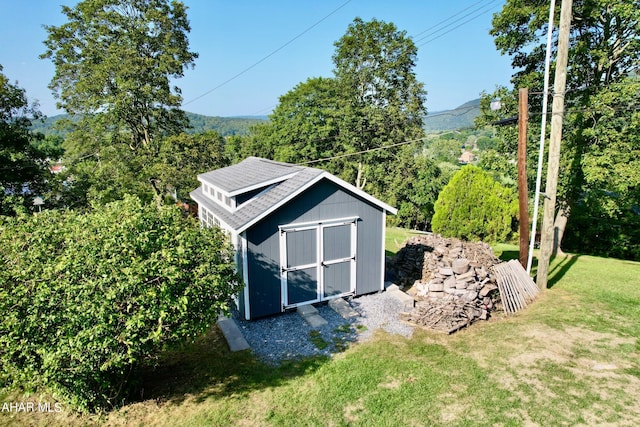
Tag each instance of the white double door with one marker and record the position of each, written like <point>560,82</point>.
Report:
<point>318,261</point>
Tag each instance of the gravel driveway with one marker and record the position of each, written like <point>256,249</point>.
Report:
<point>288,336</point>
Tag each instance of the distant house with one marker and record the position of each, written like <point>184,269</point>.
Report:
<point>467,157</point>
<point>57,167</point>
<point>301,234</point>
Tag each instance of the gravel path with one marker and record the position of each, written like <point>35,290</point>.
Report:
<point>288,336</point>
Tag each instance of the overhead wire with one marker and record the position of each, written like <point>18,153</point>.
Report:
<point>368,150</point>
<point>478,13</point>
<point>397,144</point>
<point>433,27</point>
<point>433,30</point>
<point>455,113</point>
<point>255,64</point>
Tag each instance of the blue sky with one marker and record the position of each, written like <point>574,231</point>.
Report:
<point>455,64</point>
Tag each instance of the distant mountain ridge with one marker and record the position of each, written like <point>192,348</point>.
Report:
<point>459,118</point>
<point>225,126</point>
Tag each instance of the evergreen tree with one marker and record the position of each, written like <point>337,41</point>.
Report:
<point>473,206</point>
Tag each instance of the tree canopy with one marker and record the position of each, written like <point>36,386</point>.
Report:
<point>114,63</point>
<point>23,164</point>
<point>382,100</point>
<point>358,121</point>
<point>604,57</point>
<point>91,296</point>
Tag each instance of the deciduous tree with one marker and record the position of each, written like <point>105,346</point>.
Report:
<point>359,119</point>
<point>306,123</point>
<point>91,296</point>
<point>23,166</point>
<point>115,61</point>
<point>382,100</point>
<point>415,185</point>
<point>180,160</point>
<point>604,51</point>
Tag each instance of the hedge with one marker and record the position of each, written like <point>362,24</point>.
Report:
<point>85,298</point>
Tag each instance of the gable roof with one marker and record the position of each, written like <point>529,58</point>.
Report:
<point>251,173</point>
<point>284,182</point>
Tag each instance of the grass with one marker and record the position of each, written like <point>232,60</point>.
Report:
<point>395,238</point>
<point>571,358</point>
<point>316,339</point>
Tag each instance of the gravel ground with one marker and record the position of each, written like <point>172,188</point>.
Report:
<point>288,336</point>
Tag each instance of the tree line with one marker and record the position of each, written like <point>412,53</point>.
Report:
<point>364,124</point>
<point>198,123</point>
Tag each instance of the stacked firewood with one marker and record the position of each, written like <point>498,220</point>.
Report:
<point>451,280</point>
<point>443,315</point>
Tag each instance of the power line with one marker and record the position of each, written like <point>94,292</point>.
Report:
<point>454,113</point>
<point>267,56</point>
<point>482,11</point>
<point>445,20</point>
<point>434,28</point>
<point>368,150</point>
<point>264,110</point>
<point>384,147</point>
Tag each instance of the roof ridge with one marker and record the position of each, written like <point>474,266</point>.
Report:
<point>275,162</point>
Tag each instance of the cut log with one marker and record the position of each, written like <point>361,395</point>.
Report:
<point>460,266</point>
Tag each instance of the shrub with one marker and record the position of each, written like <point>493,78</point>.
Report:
<point>86,298</point>
<point>473,206</point>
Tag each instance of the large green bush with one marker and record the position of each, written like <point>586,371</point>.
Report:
<point>86,298</point>
<point>473,206</point>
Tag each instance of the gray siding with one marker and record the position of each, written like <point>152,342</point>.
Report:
<point>324,201</point>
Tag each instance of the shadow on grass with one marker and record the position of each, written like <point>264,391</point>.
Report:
<point>206,368</point>
<point>559,266</point>
<point>509,255</point>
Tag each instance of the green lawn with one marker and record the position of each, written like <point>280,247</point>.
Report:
<point>571,358</point>
<point>395,238</point>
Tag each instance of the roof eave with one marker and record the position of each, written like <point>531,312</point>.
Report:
<point>310,183</point>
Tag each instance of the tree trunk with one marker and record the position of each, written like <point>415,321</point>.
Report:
<point>559,225</point>
<point>360,181</point>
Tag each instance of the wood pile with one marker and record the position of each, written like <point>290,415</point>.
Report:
<point>451,280</point>
<point>445,315</point>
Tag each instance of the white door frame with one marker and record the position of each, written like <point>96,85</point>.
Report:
<point>319,227</point>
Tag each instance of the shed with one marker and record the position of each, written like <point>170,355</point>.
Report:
<point>301,235</point>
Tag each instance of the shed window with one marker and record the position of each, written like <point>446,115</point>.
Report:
<point>207,218</point>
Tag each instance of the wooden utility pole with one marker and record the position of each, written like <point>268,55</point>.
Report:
<point>523,120</point>
<point>557,113</point>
